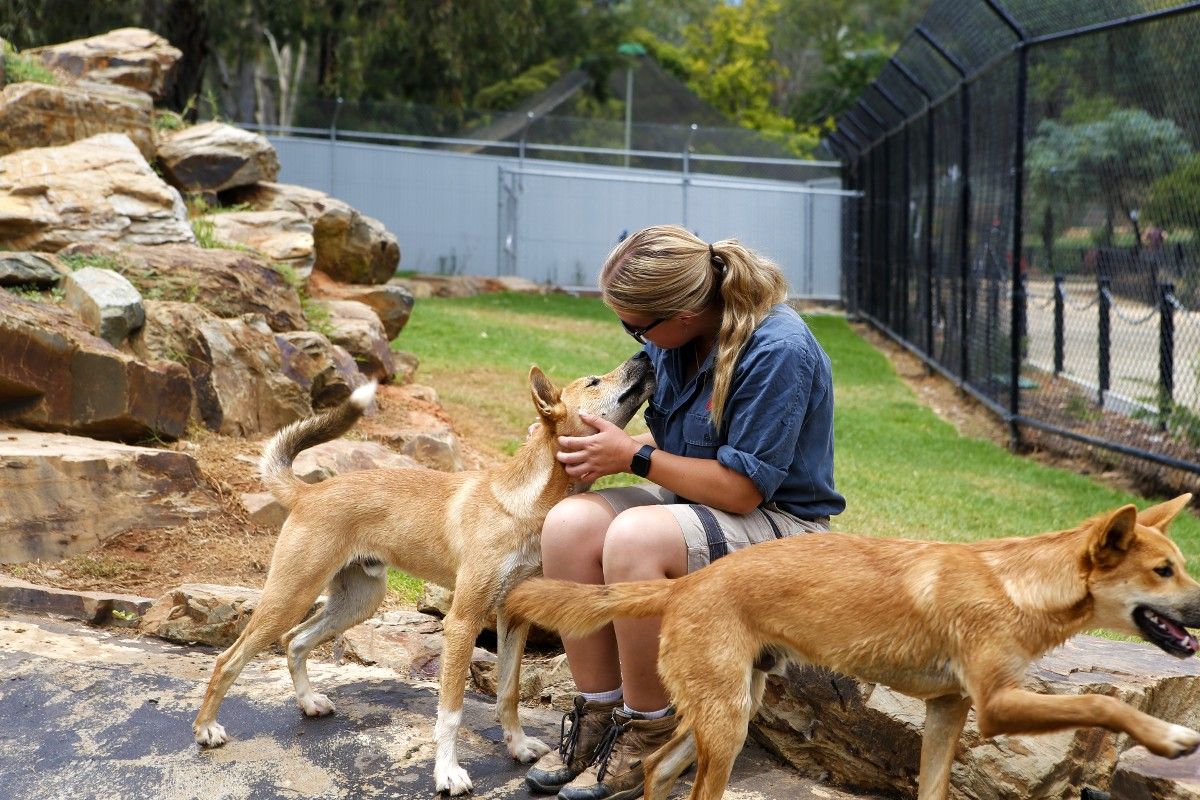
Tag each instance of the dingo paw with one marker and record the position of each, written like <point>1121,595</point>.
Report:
<point>315,705</point>
<point>526,749</point>
<point>210,735</point>
<point>452,779</point>
<point>1180,741</point>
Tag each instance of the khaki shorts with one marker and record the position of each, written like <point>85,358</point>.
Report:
<point>708,532</point>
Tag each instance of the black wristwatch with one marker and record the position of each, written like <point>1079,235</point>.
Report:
<point>641,461</point>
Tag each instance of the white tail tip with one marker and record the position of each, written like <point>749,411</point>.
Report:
<point>363,395</point>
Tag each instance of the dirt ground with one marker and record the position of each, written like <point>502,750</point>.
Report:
<point>229,549</point>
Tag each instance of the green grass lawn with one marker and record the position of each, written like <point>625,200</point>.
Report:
<point>904,472</point>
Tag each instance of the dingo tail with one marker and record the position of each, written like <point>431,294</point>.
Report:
<point>576,609</point>
<point>275,466</point>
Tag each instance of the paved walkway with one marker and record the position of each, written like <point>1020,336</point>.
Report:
<point>98,714</point>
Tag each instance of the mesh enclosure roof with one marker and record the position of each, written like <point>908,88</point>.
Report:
<point>959,39</point>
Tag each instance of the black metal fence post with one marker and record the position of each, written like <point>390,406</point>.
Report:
<point>1166,352</point>
<point>1104,344</point>
<point>1059,322</point>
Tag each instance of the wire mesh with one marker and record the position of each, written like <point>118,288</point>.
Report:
<point>1030,220</point>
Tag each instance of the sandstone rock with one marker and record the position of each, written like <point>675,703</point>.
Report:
<point>343,455</point>
<point>239,388</point>
<point>406,366</point>
<point>99,189</point>
<point>43,115</point>
<point>409,643</point>
<point>96,608</point>
<point>430,441</point>
<point>393,304</point>
<point>425,394</point>
<point>131,57</point>
<point>264,509</point>
<point>1141,775</point>
<point>320,367</point>
<point>61,495</point>
<point>56,375</point>
<point>30,269</point>
<point>229,283</point>
<point>357,328</point>
<point>201,613</point>
<point>213,156</point>
<point>868,737</point>
<point>485,673</point>
<point>279,235</point>
<point>105,301</point>
<point>350,246</point>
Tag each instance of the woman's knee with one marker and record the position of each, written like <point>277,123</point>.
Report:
<point>642,543</point>
<point>574,532</point>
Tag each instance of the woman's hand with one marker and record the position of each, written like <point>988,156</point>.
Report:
<point>608,451</point>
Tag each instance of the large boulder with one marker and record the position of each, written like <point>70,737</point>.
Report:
<point>62,495</point>
<point>392,303</point>
<point>213,156</point>
<point>1141,775</point>
<point>344,455</point>
<point>44,115</point>
<point>239,387</point>
<point>99,189</point>
<point>323,369</point>
<point>132,57</point>
<point>229,283</point>
<point>350,247</point>
<point>56,375</point>
<point>356,327</point>
<point>868,737</point>
<point>282,236</point>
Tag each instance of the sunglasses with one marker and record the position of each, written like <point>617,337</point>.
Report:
<point>639,334</point>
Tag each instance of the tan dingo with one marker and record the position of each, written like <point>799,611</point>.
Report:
<point>476,532</point>
<point>954,624</point>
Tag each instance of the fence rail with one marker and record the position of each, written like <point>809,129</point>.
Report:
<point>1030,217</point>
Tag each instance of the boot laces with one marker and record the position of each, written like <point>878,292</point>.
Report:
<point>568,739</point>
<point>607,745</point>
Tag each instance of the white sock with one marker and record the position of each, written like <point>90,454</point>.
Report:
<point>647,714</point>
<point>604,697</point>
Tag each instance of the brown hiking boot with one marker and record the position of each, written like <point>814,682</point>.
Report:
<point>617,773</point>
<point>576,746</point>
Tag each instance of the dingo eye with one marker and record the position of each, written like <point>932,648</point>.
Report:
<point>593,382</point>
<point>1165,571</point>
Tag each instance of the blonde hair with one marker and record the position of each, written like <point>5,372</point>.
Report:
<point>665,270</point>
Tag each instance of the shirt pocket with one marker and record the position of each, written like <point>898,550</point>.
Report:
<point>699,435</point>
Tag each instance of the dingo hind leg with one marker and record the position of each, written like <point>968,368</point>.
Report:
<point>510,645</point>
<point>284,602</point>
<point>354,594</point>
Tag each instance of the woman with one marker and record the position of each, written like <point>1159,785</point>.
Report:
<point>739,451</point>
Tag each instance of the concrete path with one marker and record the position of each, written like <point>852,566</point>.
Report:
<point>99,714</point>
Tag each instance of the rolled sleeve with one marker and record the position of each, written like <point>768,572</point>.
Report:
<point>765,412</point>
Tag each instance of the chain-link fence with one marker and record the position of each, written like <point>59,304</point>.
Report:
<point>1065,132</point>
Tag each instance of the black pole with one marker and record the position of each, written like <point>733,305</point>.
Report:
<point>1059,297</point>
<point>1017,322</point>
<point>1105,343</point>
<point>1166,351</point>
<point>964,318</point>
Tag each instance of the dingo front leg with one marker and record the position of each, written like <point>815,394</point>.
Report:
<point>944,720</point>
<point>460,629</point>
<point>510,645</point>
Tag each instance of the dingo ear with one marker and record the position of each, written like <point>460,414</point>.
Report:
<point>1112,536</point>
<point>545,394</point>
<point>1160,516</point>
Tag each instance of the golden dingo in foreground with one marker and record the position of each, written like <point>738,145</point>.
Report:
<point>953,624</point>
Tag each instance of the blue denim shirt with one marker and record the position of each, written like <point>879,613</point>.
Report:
<point>778,428</point>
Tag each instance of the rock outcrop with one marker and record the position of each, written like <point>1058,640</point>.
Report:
<point>43,115</point>
<point>132,57</point>
<point>213,156</point>
<point>99,189</point>
<point>56,375</point>
<point>61,495</point>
